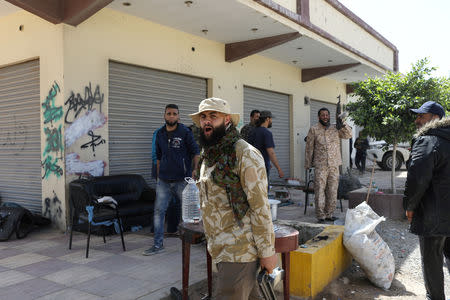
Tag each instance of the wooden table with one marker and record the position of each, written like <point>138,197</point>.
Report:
<point>193,234</point>
<point>286,240</point>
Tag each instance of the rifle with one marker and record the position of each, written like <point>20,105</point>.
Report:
<point>339,123</point>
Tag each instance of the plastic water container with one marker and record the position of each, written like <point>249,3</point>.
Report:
<point>191,202</point>
<point>273,208</point>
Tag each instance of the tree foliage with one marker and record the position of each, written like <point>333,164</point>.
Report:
<point>383,104</point>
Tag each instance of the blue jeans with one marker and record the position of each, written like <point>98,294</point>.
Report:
<point>165,193</point>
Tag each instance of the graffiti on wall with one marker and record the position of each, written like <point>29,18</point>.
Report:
<point>80,127</point>
<point>52,113</point>
<point>51,166</point>
<point>54,141</point>
<point>95,141</point>
<point>77,103</point>
<point>15,137</point>
<point>75,166</point>
<point>52,208</point>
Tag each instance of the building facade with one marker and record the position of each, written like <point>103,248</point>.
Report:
<point>83,86</point>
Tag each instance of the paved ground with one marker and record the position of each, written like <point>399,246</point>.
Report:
<point>41,266</point>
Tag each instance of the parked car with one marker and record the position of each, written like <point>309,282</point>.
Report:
<point>383,155</point>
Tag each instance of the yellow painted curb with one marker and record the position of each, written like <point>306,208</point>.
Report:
<point>312,268</point>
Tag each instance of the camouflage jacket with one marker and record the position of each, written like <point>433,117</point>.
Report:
<point>323,147</point>
<point>227,242</point>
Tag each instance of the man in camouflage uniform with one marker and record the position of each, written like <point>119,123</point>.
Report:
<point>233,198</point>
<point>324,154</point>
<point>248,128</point>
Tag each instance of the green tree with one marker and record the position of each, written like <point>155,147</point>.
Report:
<point>383,105</point>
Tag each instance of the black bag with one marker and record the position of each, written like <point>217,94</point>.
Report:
<point>347,183</point>
<point>15,219</point>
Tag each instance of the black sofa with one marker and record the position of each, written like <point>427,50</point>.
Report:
<point>133,196</point>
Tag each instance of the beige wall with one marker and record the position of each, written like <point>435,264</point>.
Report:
<point>43,40</point>
<point>343,29</point>
<point>78,57</point>
<point>112,35</point>
<point>329,19</point>
<point>289,4</point>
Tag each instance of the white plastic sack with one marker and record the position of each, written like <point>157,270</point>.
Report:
<point>367,247</point>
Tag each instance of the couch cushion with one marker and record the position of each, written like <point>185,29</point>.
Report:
<point>136,208</point>
<point>119,184</point>
<point>125,198</point>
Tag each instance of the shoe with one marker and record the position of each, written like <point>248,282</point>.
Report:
<point>320,221</point>
<point>332,219</point>
<point>175,293</point>
<point>153,250</point>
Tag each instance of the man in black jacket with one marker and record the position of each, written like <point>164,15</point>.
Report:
<point>175,147</point>
<point>427,194</point>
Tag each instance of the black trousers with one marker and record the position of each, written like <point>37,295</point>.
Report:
<point>432,250</point>
<point>360,161</point>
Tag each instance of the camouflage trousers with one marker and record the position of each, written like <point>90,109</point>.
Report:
<point>326,182</point>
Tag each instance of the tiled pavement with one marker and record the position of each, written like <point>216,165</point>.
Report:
<point>41,266</point>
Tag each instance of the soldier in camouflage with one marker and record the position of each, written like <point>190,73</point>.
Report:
<point>324,154</point>
<point>233,198</point>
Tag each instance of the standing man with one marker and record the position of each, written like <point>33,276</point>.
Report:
<point>427,194</point>
<point>175,147</point>
<point>262,139</point>
<point>361,146</point>
<point>173,217</point>
<point>248,128</point>
<point>323,152</point>
<point>233,198</point>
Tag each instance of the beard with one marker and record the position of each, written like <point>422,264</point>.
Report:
<point>171,123</point>
<point>217,133</point>
<point>270,125</point>
<point>326,124</point>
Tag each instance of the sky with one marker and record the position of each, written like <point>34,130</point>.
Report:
<point>418,28</point>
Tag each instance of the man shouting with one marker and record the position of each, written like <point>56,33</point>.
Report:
<point>233,198</point>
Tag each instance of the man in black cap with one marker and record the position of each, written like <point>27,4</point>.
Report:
<point>261,138</point>
<point>427,194</point>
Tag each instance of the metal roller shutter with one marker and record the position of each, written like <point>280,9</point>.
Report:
<point>278,104</point>
<point>137,98</point>
<point>314,108</point>
<point>20,136</point>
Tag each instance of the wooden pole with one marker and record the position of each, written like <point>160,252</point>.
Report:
<point>371,181</point>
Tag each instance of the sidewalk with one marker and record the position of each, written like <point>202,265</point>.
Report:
<point>41,266</point>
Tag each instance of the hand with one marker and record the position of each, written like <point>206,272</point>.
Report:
<point>343,116</point>
<point>280,173</point>
<point>409,215</point>
<point>194,174</point>
<point>268,263</point>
